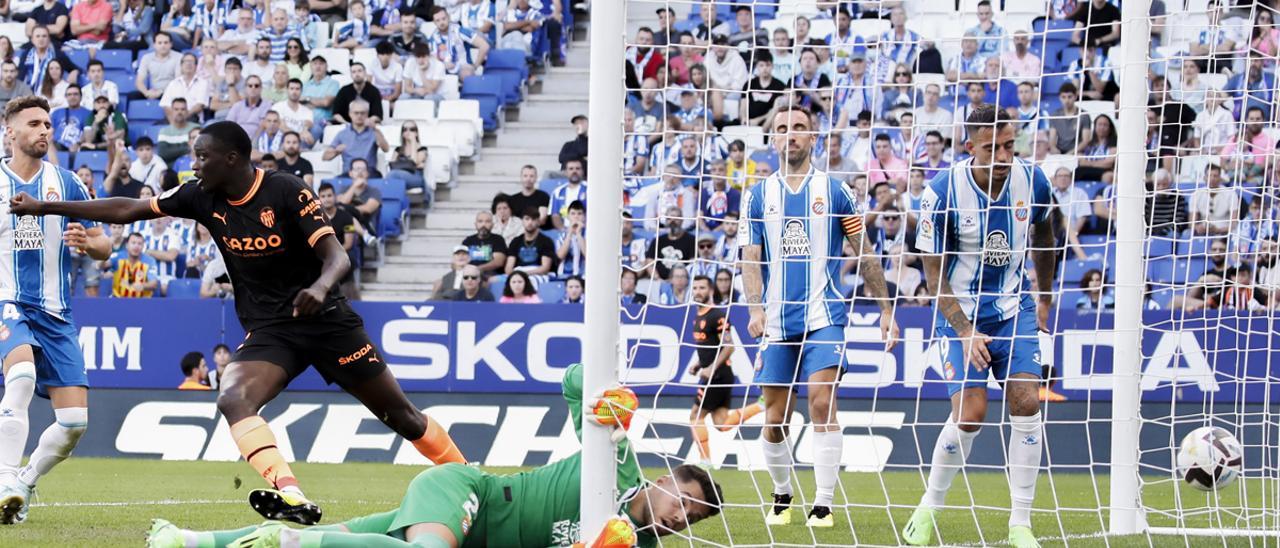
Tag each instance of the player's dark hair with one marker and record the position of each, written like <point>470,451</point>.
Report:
<point>230,136</point>
<point>291,80</point>
<point>1088,275</point>
<point>384,48</point>
<point>436,9</point>
<point>233,61</point>
<point>529,289</point>
<point>987,116</point>
<point>1069,87</point>
<point>715,290</point>
<point>190,362</point>
<point>144,141</point>
<point>882,137</point>
<point>325,186</point>
<point>14,106</point>
<point>737,144</point>
<point>132,234</point>
<point>96,63</point>
<point>221,346</point>
<point>634,275</point>
<point>355,64</point>
<point>531,212</point>
<point>712,495</point>
<point>934,133</point>
<point>577,205</point>
<point>500,198</point>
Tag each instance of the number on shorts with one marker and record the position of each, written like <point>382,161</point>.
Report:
<point>10,312</point>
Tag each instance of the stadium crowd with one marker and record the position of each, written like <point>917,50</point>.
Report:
<point>890,104</point>
<point>131,82</point>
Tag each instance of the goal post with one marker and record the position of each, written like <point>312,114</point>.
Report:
<point>601,308</point>
<point>1130,265</point>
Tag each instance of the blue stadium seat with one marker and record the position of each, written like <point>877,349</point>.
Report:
<point>767,155</point>
<point>1050,83</point>
<point>1164,297</point>
<point>1053,29</point>
<point>124,81</point>
<point>116,59</point>
<point>389,219</point>
<point>495,285</point>
<point>104,285</point>
<point>188,288</point>
<point>1073,269</point>
<point>1065,57</point>
<point>476,87</point>
<point>1159,247</point>
<point>147,110</point>
<point>1194,247</point>
<point>490,107</point>
<point>512,59</point>
<point>551,292</point>
<point>95,159</point>
<point>511,81</point>
<point>1160,270</point>
<point>80,58</point>
<point>549,185</point>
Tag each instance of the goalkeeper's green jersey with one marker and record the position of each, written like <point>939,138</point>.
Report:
<point>541,507</point>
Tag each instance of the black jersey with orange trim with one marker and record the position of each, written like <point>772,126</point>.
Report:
<point>709,329</point>
<point>266,240</point>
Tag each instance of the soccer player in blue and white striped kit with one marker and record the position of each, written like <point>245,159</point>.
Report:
<point>795,223</point>
<point>978,221</point>
<point>38,341</point>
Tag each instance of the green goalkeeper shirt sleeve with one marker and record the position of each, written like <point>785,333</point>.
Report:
<point>571,387</point>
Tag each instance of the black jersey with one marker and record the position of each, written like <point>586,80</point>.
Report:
<point>709,328</point>
<point>266,240</point>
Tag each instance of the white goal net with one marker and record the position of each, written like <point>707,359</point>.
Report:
<point>1158,153</point>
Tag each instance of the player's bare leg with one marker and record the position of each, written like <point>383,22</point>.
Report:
<point>828,444</point>
<point>383,396</point>
<point>727,419</point>
<point>968,411</point>
<point>779,404</point>
<point>1026,444</point>
<point>698,423</point>
<point>246,387</point>
<point>19,388</point>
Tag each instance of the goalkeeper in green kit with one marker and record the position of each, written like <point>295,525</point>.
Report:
<point>457,505</point>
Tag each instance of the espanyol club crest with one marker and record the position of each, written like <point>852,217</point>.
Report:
<point>819,207</point>
<point>948,371</point>
<point>52,195</point>
<point>1021,211</point>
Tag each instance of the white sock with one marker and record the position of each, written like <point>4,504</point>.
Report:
<point>56,443</point>
<point>19,387</point>
<point>828,448</point>
<point>294,489</point>
<point>290,538</point>
<point>1025,448</point>
<point>949,454</point>
<point>777,458</point>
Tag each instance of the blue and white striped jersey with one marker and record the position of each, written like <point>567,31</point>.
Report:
<point>35,266</point>
<point>802,239</point>
<point>984,240</point>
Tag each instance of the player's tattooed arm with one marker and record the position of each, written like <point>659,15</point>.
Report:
<point>752,279</point>
<point>945,298</point>
<point>872,271</point>
<point>1042,254</point>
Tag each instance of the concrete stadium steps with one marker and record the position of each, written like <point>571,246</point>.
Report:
<point>532,134</point>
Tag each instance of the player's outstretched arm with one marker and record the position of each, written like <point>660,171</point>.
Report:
<point>107,210</point>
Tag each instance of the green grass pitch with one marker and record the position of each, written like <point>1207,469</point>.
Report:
<point>109,502</point>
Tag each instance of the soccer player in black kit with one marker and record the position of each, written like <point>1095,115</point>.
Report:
<point>714,344</point>
<point>285,264</point>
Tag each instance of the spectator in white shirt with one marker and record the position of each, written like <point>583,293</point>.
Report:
<point>388,72</point>
<point>147,168</point>
<point>189,86</point>
<point>1073,205</point>
<point>932,116</point>
<point>240,39</point>
<point>261,65</point>
<point>423,75</point>
<point>725,70</point>
<point>1215,208</point>
<point>99,86</point>
<point>1215,126</point>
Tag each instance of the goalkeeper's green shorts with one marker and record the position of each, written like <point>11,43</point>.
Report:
<point>449,494</point>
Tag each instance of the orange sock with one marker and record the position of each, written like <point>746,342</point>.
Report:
<point>435,444</point>
<point>736,417</point>
<point>700,436</point>
<point>258,445</point>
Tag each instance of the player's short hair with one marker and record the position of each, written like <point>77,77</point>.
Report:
<point>96,63</point>
<point>986,116</point>
<point>190,362</point>
<point>530,213</point>
<point>144,142</point>
<point>384,48</point>
<point>19,104</point>
<point>230,136</point>
<point>233,62</point>
<point>291,80</point>
<point>934,133</point>
<point>625,271</point>
<point>132,234</point>
<point>577,205</point>
<point>794,107</point>
<point>737,144</point>
<point>882,137</point>
<point>1069,87</point>
<point>325,186</point>
<point>221,346</point>
<point>712,495</point>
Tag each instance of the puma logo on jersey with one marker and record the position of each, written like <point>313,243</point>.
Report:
<point>220,217</point>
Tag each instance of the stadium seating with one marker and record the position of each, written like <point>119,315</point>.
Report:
<point>487,90</point>
<point>145,111</point>
<point>183,288</point>
<point>116,59</point>
<point>95,159</point>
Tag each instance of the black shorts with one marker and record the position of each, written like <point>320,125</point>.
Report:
<point>335,342</point>
<point>718,392</point>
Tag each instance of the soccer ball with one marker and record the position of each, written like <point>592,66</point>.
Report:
<point>1210,458</point>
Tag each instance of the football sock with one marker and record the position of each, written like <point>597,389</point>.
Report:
<point>700,436</point>
<point>949,454</point>
<point>19,386</point>
<point>1025,447</point>
<point>258,445</point>
<point>736,417</point>
<point>56,443</point>
<point>307,538</point>
<point>215,539</point>
<point>828,448</point>
<point>777,458</point>
<point>437,445</point>
<point>372,523</point>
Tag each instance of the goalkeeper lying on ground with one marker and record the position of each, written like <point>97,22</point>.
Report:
<point>458,505</point>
